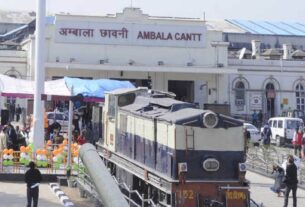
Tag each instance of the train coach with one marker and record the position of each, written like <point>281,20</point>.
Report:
<point>173,153</point>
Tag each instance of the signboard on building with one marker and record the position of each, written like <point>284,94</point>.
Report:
<point>130,34</point>
<point>256,102</point>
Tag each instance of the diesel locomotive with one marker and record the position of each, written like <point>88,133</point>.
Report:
<point>172,152</point>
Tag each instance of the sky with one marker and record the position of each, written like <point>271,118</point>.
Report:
<point>286,10</point>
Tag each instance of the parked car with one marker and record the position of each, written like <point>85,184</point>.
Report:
<point>283,128</point>
<point>255,136</point>
<point>61,118</point>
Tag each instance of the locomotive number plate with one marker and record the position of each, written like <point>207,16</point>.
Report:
<point>235,195</point>
<point>186,194</point>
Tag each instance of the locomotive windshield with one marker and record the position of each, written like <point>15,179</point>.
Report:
<point>126,99</point>
<point>111,106</point>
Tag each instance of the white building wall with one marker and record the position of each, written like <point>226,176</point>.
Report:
<point>223,89</point>
<point>213,73</point>
<point>86,57</point>
<point>13,63</point>
<point>142,55</point>
<point>255,82</point>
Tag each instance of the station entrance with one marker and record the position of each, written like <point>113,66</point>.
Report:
<point>184,90</point>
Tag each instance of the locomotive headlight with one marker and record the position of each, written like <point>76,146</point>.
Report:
<point>211,164</point>
<point>210,119</point>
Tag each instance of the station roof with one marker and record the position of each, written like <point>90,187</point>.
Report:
<point>270,27</point>
<point>224,26</point>
<point>16,17</point>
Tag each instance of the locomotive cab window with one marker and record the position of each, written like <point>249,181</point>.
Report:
<point>111,106</point>
<point>126,99</point>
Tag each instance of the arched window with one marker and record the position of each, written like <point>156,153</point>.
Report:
<point>270,96</point>
<point>300,96</point>
<point>239,93</point>
<point>270,86</point>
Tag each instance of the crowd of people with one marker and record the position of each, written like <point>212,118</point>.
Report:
<point>286,175</point>
<point>12,138</point>
<point>53,133</point>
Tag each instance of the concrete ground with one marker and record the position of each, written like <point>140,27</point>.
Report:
<point>77,200</point>
<point>13,194</point>
<point>260,192</point>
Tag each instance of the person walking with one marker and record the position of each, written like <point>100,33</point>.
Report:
<point>297,142</point>
<point>279,175</point>
<point>12,111</point>
<point>21,137</point>
<point>12,136</point>
<point>32,179</point>
<point>3,140</point>
<point>266,134</point>
<point>254,118</point>
<point>18,112</point>
<point>291,181</point>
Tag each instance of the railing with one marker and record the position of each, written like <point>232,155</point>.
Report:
<point>130,192</point>
<point>85,181</point>
<point>253,203</point>
<point>261,62</point>
<point>46,165</point>
<point>84,178</point>
<point>262,159</point>
<point>16,166</point>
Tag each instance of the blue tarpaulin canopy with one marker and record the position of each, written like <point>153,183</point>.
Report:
<point>61,89</point>
<point>94,88</point>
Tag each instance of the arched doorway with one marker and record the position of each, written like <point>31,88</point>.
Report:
<point>240,95</point>
<point>300,96</point>
<point>270,97</point>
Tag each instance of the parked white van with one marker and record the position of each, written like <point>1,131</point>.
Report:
<point>283,128</point>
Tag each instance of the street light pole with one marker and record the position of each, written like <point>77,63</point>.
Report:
<point>38,131</point>
<point>69,161</point>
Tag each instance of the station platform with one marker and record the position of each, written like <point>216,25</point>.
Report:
<point>260,192</point>
<point>13,194</point>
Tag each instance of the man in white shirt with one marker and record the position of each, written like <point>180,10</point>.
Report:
<point>3,140</point>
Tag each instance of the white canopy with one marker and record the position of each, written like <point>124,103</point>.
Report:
<point>13,87</point>
<point>56,88</point>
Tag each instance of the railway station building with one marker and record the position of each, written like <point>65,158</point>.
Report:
<point>270,61</point>
<point>232,65</point>
<point>169,54</point>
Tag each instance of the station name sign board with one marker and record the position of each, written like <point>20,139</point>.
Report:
<point>130,34</point>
